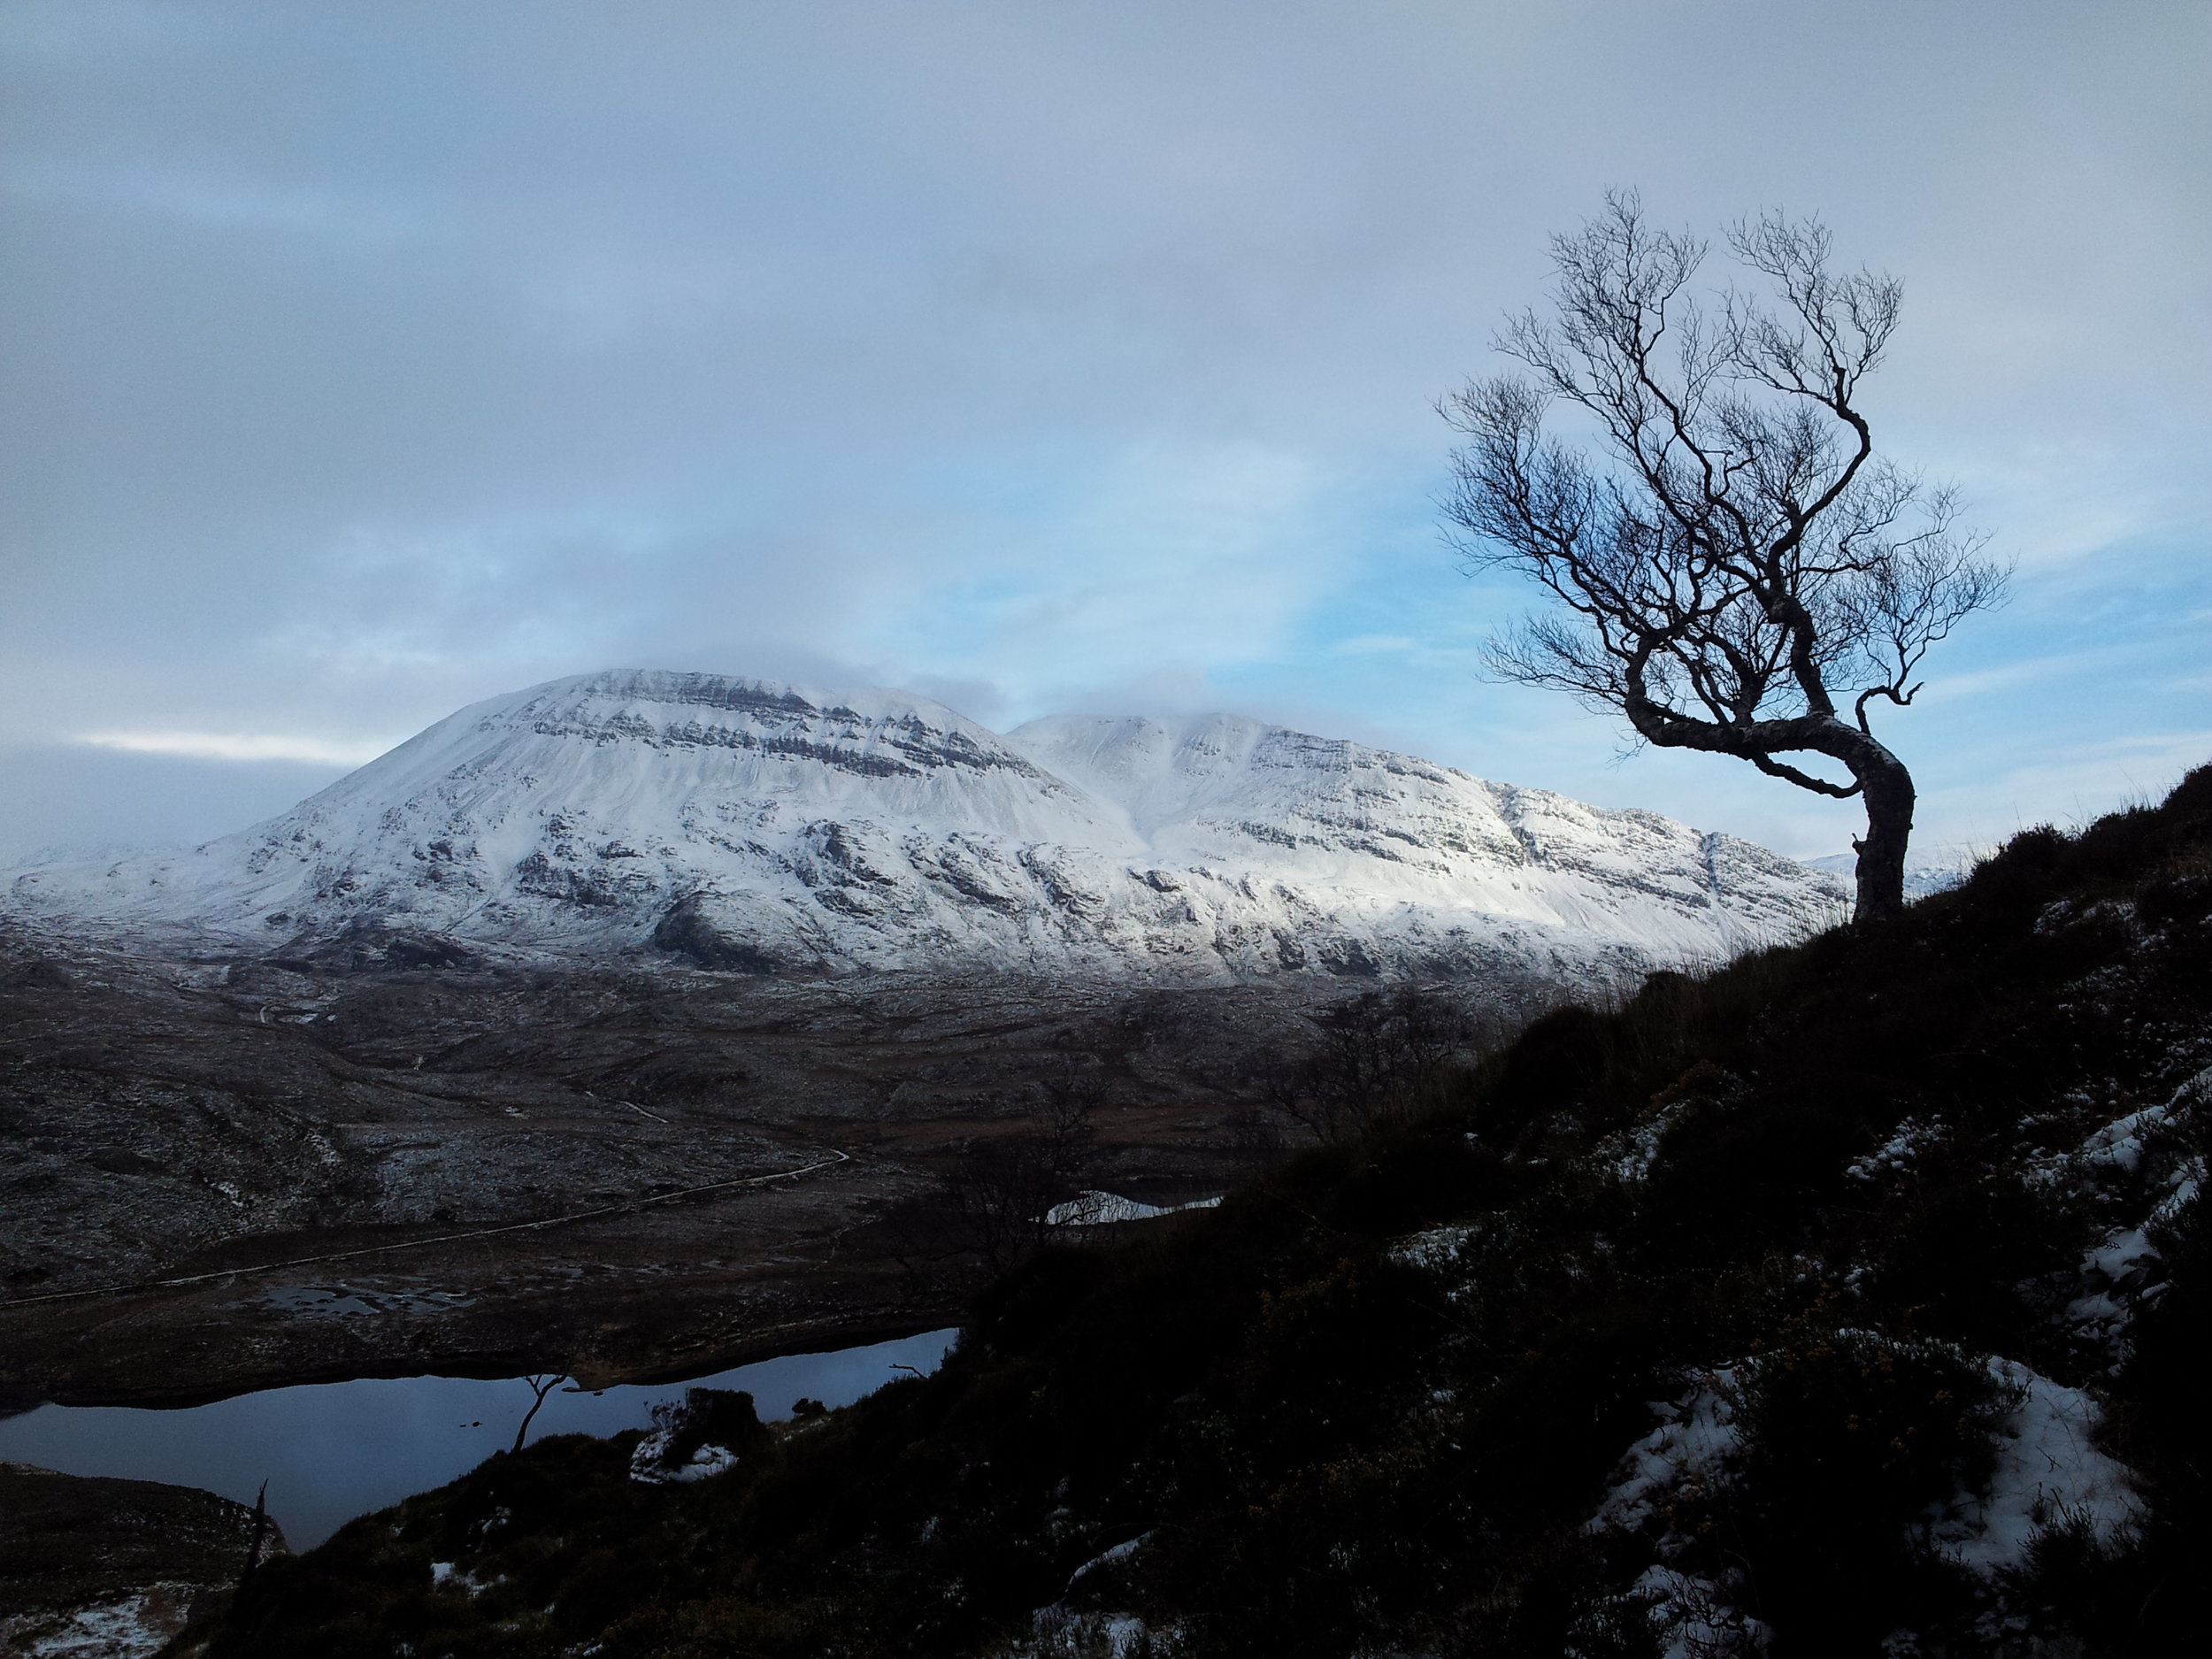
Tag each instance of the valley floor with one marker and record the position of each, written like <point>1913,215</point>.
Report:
<point>341,1160</point>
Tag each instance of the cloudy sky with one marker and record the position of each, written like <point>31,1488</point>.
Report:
<point>364,359</point>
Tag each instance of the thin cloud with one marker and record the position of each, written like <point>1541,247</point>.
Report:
<point>238,746</point>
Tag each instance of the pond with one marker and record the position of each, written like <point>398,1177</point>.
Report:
<point>331,1451</point>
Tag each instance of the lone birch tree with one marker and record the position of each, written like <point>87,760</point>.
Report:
<point>1728,562</point>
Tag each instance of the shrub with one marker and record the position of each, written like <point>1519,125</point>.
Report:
<point>1849,1437</point>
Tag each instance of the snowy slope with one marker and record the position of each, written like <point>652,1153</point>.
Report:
<point>747,825</point>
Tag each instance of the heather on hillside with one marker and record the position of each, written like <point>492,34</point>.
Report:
<point>1850,1299</point>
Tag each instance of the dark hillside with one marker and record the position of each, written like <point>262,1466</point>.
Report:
<point>1851,1300</point>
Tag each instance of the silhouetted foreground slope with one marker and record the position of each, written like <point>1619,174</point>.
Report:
<point>1898,1228</point>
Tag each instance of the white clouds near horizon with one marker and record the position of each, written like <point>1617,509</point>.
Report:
<point>237,746</point>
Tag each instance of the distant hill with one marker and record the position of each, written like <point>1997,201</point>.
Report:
<point>745,825</point>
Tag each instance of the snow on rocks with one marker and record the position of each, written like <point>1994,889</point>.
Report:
<point>650,1462</point>
<point>696,1438</point>
<point>747,825</point>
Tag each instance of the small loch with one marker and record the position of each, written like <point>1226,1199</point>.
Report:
<point>331,1451</point>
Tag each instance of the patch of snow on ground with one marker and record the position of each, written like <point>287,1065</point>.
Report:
<point>1696,1437</point>
<point>1098,1209</point>
<point>132,1626</point>
<point>445,1576</point>
<point>1109,1558</point>
<point>1060,1634</point>
<point>2048,1472</point>
<point>2120,1146</point>
<point>1913,1136</point>
<point>1696,1618</point>
<point>1693,1617</point>
<point>2118,1273</point>
<point>1433,1250</point>
<point>1632,1153</point>
<point>2125,1270</point>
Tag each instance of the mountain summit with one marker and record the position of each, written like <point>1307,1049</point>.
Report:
<point>742,824</point>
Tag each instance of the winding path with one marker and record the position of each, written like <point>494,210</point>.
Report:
<point>625,1207</point>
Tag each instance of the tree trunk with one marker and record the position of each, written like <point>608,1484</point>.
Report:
<point>1878,776</point>
<point>539,1386</point>
<point>1888,790</point>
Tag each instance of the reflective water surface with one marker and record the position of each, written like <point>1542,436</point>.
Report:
<point>331,1451</point>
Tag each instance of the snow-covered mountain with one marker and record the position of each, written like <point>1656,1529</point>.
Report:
<point>745,825</point>
<point>1936,868</point>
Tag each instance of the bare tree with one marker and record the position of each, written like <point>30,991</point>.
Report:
<point>540,1385</point>
<point>259,1534</point>
<point>1731,564</point>
<point>993,1205</point>
<point>1375,1051</point>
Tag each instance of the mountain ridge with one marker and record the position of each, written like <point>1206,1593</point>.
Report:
<point>752,825</point>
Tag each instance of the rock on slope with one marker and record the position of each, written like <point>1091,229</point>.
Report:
<point>752,826</point>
